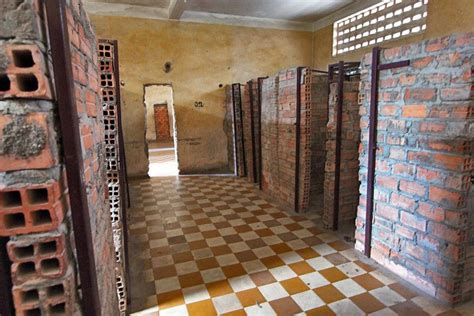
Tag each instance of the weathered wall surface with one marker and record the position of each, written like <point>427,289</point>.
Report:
<point>222,55</point>
<point>157,94</point>
<point>444,17</point>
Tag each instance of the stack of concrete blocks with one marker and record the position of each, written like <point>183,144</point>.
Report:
<point>106,55</point>
<point>349,166</point>
<point>423,210</point>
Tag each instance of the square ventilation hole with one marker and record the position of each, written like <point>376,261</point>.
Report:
<point>15,220</point>
<point>23,58</point>
<point>33,312</point>
<point>50,266</point>
<point>46,248</point>
<point>55,291</point>
<point>58,309</point>
<point>26,269</point>
<point>41,217</point>
<point>27,82</point>
<point>37,196</point>
<point>10,199</point>
<point>30,296</point>
<point>24,252</point>
<point>4,83</point>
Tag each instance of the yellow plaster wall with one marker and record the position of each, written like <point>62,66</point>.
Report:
<point>444,17</point>
<point>203,56</point>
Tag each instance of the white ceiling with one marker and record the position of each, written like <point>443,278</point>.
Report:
<point>286,14</point>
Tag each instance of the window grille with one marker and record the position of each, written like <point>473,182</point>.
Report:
<point>387,20</point>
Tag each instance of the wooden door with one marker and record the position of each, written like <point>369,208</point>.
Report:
<point>162,122</point>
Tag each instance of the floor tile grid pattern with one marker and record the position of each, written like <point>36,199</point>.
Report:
<point>210,245</point>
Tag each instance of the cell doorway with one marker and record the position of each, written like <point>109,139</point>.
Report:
<point>160,135</point>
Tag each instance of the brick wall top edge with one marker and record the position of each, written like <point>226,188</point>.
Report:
<point>453,42</point>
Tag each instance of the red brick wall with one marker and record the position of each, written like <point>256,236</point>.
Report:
<point>319,113</point>
<point>349,167</point>
<point>33,197</point>
<point>424,164</point>
<point>279,96</point>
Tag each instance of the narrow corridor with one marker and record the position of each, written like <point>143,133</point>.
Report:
<point>210,245</point>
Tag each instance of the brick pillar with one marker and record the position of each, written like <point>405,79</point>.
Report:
<point>349,167</point>
<point>424,165</point>
<point>279,97</point>
<point>270,140</point>
<point>319,118</point>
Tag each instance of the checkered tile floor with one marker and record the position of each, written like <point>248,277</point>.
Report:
<point>210,245</point>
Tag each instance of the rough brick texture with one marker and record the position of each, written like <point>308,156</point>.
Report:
<point>349,167</point>
<point>53,298</point>
<point>319,119</point>
<point>33,208</point>
<point>41,245</point>
<point>279,97</point>
<point>424,165</point>
<point>251,114</point>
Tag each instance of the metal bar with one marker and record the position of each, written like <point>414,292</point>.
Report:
<point>297,138</point>
<point>125,192</point>
<point>371,151</point>
<point>242,131</point>
<point>252,131</point>
<point>6,300</point>
<point>337,162</point>
<point>234,122</point>
<point>372,145</point>
<point>260,82</point>
<point>319,71</point>
<point>398,64</point>
<point>71,142</point>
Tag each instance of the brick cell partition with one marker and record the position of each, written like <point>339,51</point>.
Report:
<point>162,122</point>
<point>350,140</point>
<point>34,203</point>
<point>250,109</point>
<point>106,56</point>
<point>229,128</point>
<point>319,118</point>
<point>424,166</point>
<point>270,141</point>
<point>86,71</point>
<point>279,95</point>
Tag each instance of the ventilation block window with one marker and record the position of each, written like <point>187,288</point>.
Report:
<point>385,21</point>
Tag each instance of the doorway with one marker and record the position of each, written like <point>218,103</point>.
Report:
<point>160,135</point>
